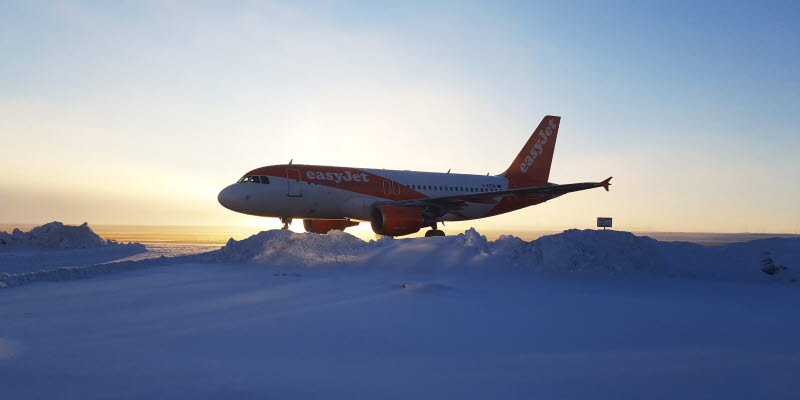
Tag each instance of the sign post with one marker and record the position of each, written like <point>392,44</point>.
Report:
<point>604,222</point>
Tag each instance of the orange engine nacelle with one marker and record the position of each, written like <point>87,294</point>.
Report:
<point>396,220</point>
<point>323,226</point>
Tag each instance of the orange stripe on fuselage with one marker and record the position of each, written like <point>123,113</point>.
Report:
<point>345,179</point>
<point>336,177</point>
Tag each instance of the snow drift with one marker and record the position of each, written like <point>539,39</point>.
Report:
<point>573,251</point>
<point>54,236</point>
<point>287,247</point>
<point>596,251</point>
<point>56,245</point>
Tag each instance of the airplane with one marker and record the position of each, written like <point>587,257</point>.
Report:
<point>398,203</point>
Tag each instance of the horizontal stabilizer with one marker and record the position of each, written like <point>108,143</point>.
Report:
<point>606,183</point>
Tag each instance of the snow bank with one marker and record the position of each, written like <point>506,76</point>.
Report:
<point>615,252</point>
<point>608,252</point>
<point>69,273</point>
<point>588,250</point>
<point>573,251</point>
<point>15,262</point>
<point>54,236</point>
<point>287,247</point>
<point>56,245</point>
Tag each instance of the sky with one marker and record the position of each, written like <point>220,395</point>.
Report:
<point>140,112</point>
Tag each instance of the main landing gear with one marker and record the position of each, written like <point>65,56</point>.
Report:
<point>434,232</point>
<point>286,222</point>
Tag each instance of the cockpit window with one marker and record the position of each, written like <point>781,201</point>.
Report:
<point>254,179</point>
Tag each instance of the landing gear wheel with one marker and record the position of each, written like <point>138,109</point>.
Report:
<point>434,232</point>
<point>286,222</point>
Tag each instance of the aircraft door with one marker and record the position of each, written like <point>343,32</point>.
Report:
<point>295,184</point>
<point>387,188</point>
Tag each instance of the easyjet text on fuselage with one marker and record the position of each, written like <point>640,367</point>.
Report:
<point>337,177</point>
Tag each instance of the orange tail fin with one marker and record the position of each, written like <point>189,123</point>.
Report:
<point>532,164</point>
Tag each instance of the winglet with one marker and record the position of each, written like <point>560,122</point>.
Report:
<point>606,183</point>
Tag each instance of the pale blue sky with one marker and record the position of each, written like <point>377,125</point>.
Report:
<point>139,112</point>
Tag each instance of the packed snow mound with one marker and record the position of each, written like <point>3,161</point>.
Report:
<point>286,247</point>
<point>607,252</point>
<point>588,250</point>
<point>54,236</point>
<point>616,251</point>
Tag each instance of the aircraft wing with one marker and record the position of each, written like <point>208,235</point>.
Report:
<point>446,203</point>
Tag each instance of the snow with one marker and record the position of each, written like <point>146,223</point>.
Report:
<point>287,247</point>
<point>55,245</point>
<point>54,236</point>
<point>581,314</point>
<point>595,251</point>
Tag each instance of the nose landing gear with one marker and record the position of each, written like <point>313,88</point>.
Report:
<point>286,222</point>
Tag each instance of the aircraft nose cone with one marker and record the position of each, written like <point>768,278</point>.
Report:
<point>226,198</point>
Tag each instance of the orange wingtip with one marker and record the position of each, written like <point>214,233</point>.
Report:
<point>606,183</point>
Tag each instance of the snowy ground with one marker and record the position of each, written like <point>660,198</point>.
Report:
<point>283,315</point>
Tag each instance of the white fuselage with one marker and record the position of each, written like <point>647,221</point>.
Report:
<point>330,195</point>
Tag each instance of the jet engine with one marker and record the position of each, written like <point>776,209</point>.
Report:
<point>323,226</point>
<point>396,220</point>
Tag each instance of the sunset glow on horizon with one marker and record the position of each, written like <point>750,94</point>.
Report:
<point>141,112</point>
